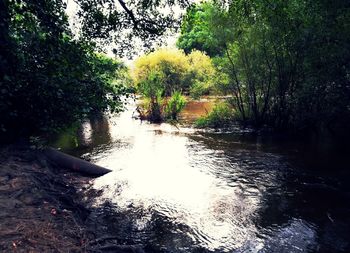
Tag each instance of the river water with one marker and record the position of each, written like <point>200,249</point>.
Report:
<point>176,189</point>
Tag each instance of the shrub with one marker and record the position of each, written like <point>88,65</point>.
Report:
<point>220,116</point>
<point>199,89</point>
<point>174,106</point>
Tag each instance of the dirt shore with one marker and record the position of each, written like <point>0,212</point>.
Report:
<point>45,208</point>
<point>40,207</point>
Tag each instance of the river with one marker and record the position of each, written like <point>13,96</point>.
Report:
<point>177,189</point>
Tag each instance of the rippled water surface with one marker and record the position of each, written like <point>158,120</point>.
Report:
<point>174,189</point>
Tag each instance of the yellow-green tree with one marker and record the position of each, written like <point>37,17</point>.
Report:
<point>192,73</point>
<point>171,64</point>
<point>200,75</point>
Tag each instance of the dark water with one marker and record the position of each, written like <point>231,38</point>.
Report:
<point>174,189</point>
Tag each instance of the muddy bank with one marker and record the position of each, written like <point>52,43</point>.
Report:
<point>44,208</point>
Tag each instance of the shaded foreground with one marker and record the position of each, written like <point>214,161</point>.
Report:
<point>42,210</point>
<point>37,206</point>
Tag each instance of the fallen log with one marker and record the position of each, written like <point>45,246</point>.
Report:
<point>74,163</point>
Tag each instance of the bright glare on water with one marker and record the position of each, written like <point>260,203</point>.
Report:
<point>173,189</point>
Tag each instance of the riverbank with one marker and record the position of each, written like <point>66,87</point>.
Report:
<point>44,208</point>
<point>41,208</point>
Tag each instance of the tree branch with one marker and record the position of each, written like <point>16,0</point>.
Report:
<point>129,12</point>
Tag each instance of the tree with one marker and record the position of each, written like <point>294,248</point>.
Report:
<point>200,74</point>
<point>286,62</point>
<point>192,74</point>
<point>171,64</point>
<point>49,77</point>
<point>120,22</point>
<point>169,73</point>
<point>195,30</point>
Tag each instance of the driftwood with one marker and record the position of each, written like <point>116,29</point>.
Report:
<point>75,164</point>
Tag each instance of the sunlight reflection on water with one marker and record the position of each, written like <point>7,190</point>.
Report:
<point>162,169</point>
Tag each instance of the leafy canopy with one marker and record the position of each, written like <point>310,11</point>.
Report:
<point>192,73</point>
<point>196,30</point>
<point>121,22</point>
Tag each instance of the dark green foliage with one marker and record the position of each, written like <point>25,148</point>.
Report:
<point>196,32</point>
<point>49,80</point>
<point>285,63</point>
